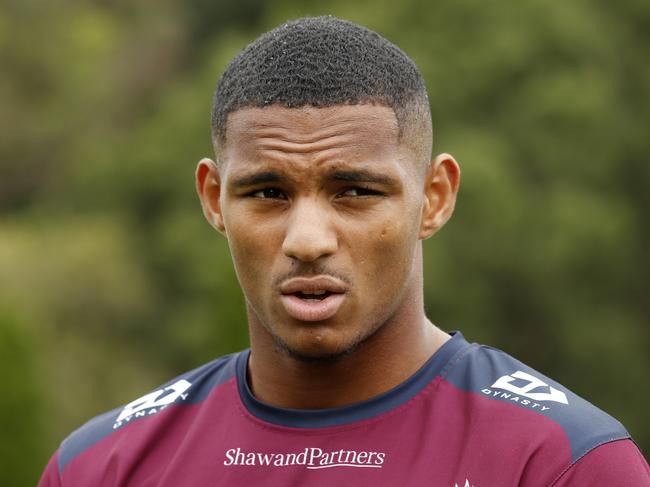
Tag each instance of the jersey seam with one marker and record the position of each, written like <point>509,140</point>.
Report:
<point>59,473</point>
<point>458,356</point>
<point>577,460</point>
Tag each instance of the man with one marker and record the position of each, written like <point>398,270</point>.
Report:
<point>324,187</point>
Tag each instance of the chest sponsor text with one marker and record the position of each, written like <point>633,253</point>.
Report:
<point>311,458</point>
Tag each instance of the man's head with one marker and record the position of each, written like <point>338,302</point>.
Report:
<point>322,62</point>
<point>324,185</point>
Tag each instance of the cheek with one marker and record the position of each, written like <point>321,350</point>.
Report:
<point>385,260</point>
<point>250,247</point>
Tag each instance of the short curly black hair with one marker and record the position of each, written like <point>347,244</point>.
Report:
<point>324,61</point>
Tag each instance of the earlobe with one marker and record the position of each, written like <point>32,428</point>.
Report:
<point>440,190</point>
<point>208,187</point>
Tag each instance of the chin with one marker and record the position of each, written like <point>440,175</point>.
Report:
<point>318,351</point>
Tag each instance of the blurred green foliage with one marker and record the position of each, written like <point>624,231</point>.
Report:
<point>111,282</point>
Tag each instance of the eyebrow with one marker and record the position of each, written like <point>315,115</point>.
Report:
<point>360,176</point>
<point>259,178</point>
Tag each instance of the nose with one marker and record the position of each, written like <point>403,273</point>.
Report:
<point>309,233</point>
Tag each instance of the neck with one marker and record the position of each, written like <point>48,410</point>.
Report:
<point>396,351</point>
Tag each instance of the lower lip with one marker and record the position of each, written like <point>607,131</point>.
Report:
<point>313,309</point>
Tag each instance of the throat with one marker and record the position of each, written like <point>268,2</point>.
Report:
<point>313,384</point>
<point>294,382</point>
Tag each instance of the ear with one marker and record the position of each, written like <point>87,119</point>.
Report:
<point>208,186</point>
<point>440,190</point>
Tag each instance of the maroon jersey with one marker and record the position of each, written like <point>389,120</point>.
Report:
<point>471,416</point>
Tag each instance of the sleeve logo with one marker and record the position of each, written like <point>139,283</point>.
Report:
<point>533,383</point>
<point>153,402</point>
<point>526,390</point>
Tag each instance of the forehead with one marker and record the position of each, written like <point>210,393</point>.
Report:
<point>363,130</point>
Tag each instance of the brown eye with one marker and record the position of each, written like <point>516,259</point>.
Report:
<point>358,191</point>
<point>268,193</point>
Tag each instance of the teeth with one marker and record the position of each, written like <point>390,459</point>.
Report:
<point>315,293</point>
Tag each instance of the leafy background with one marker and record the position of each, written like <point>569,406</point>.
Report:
<point>111,282</point>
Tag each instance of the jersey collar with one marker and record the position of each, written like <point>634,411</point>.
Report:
<point>322,418</point>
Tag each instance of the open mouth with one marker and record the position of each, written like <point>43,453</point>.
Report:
<point>312,299</point>
<point>313,296</point>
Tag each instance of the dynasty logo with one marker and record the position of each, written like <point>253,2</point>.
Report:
<point>153,403</point>
<point>311,458</point>
<point>527,390</point>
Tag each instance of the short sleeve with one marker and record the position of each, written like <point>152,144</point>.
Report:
<point>615,464</point>
<point>50,477</point>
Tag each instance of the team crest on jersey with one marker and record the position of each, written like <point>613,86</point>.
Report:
<point>525,389</point>
<point>153,403</point>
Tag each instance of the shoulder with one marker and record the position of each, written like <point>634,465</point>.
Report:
<point>615,463</point>
<point>526,401</point>
<point>189,388</point>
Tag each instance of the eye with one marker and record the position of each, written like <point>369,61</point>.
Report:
<point>268,193</point>
<point>358,191</point>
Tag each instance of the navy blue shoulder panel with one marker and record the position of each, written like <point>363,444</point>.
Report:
<point>189,388</point>
<point>500,377</point>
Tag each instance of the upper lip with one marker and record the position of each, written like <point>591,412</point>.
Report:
<point>312,284</point>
